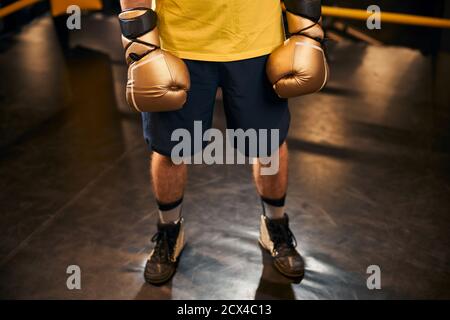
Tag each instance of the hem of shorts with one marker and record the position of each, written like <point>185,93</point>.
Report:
<point>285,137</point>
<point>161,152</point>
<point>169,154</point>
<point>222,57</point>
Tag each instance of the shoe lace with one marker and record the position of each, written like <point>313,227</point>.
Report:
<point>164,246</point>
<point>282,237</point>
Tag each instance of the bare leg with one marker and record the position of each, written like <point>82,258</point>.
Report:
<point>273,186</point>
<point>169,181</point>
<point>275,235</point>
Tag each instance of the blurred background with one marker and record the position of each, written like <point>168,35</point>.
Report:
<point>369,172</point>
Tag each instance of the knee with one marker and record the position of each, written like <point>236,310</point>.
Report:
<point>164,160</point>
<point>278,154</point>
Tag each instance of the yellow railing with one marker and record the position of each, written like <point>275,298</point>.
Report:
<point>16,6</point>
<point>387,17</point>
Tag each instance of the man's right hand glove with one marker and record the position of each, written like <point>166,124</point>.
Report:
<point>299,66</point>
<point>157,80</point>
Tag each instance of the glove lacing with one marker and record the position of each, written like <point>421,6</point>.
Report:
<point>323,41</point>
<point>136,57</point>
<point>302,33</point>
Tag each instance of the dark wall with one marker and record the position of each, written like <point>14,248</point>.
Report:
<point>445,39</point>
<point>20,18</point>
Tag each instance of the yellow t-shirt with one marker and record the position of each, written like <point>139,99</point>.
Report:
<point>220,30</point>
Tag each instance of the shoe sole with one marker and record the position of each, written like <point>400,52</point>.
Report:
<point>168,277</point>
<point>280,270</point>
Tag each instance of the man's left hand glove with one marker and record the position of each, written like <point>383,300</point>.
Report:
<point>299,66</point>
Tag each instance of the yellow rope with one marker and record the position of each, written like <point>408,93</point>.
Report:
<point>398,18</point>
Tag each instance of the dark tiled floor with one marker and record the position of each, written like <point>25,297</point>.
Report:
<point>369,182</point>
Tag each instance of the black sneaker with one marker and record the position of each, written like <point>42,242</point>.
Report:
<point>278,239</point>
<point>169,242</point>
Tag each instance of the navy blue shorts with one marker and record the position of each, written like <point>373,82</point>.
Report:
<point>248,97</point>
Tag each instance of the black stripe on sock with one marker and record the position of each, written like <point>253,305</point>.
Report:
<point>275,202</point>
<point>169,206</point>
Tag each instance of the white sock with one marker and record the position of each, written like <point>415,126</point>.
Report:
<point>273,212</point>
<point>170,216</point>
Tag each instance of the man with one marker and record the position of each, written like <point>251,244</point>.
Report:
<point>223,44</point>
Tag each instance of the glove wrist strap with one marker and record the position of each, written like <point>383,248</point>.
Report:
<point>310,9</point>
<point>136,22</point>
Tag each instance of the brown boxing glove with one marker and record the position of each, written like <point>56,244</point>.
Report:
<point>299,66</point>
<point>157,80</point>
